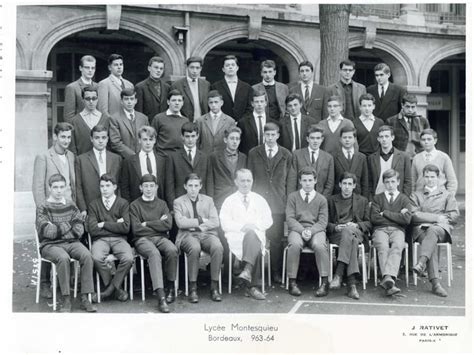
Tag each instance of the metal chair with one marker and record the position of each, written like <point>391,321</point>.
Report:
<point>267,254</point>
<point>186,282</point>
<point>284,273</point>
<point>449,260</point>
<point>333,247</point>
<point>375,263</point>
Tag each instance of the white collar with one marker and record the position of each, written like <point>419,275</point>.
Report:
<point>62,201</point>
<point>274,149</point>
<point>193,150</point>
<point>395,195</point>
<point>129,113</point>
<point>191,80</point>
<point>344,150</point>
<point>311,150</point>
<point>311,195</point>
<point>96,152</point>
<point>364,118</point>
<point>169,113</point>
<point>212,114</point>
<point>298,117</point>
<point>263,115</point>
<point>310,84</point>
<point>143,154</point>
<point>432,153</point>
<point>146,199</point>
<point>268,84</point>
<point>339,118</point>
<point>233,80</point>
<point>86,82</point>
<point>111,200</point>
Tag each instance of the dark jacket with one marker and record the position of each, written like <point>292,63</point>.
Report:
<point>148,101</point>
<point>243,98</point>
<point>286,132</point>
<point>357,166</point>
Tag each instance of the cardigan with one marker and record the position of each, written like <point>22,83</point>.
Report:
<point>98,213</point>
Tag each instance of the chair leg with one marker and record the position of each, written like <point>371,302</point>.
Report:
<point>415,257</point>
<point>229,281</point>
<point>263,273</point>
<point>407,266</point>
<point>176,282</point>
<point>98,286</point>
<point>186,280</point>
<point>38,283</point>
<point>53,270</point>
<point>269,273</point>
<point>220,280</point>
<point>76,276</point>
<point>131,283</point>
<point>369,261</point>
<point>364,267</point>
<point>142,277</point>
<point>375,266</point>
<point>283,269</point>
<point>449,261</point>
<point>331,248</point>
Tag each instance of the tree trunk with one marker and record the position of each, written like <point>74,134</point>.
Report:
<point>334,32</point>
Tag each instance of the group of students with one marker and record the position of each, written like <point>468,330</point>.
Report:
<point>234,163</point>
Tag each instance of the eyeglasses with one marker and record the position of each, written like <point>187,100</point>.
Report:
<point>90,98</point>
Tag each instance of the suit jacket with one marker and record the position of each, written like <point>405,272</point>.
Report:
<point>324,167</point>
<point>357,166</point>
<point>317,101</point>
<point>391,104</point>
<point>357,90</point>
<point>88,176</point>
<point>148,101</point>
<point>402,132</point>
<point>208,141</point>
<point>45,166</point>
<point>131,175</point>
<point>286,133</point>
<point>186,221</point>
<point>109,94</point>
<point>81,135</point>
<point>220,179</point>
<point>400,162</point>
<point>73,98</point>
<point>243,98</point>
<point>188,106</point>
<point>332,140</point>
<point>249,136</point>
<point>281,91</point>
<point>123,133</point>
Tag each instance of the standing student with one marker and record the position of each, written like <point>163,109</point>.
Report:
<point>367,126</point>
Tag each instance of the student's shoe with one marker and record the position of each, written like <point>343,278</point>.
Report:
<point>322,290</point>
<point>392,291</point>
<point>255,293</point>
<point>193,296</point>
<point>45,292</point>
<point>66,307</point>
<point>419,268</point>
<point>352,292</point>
<point>294,290</point>
<point>86,305</point>
<point>438,290</point>
<point>335,283</point>
<point>387,282</point>
<point>216,296</point>
<point>163,306</point>
<point>246,274</point>
<point>121,295</point>
<point>170,297</point>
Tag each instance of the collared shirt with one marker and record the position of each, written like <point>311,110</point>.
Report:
<point>62,200</point>
<point>273,149</point>
<point>386,156</point>
<point>87,82</point>
<point>345,152</point>
<point>385,87</point>
<point>111,201</point>
<point>103,165</point>
<point>333,124</point>
<point>303,87</point>
<point>430,190</point>
<point>264,120</point>
<point>91,118</point>
<point>311,195</point>
<point>368,122</point>
<point>193,151</point>
<point>169,113</point>
<point>431,155</point>
<point>147,199</point>
<point>298,124</point>
<point>395,195</point>
<point>215,117</point>
<point>232,84</point>
<point>316,153</point>
<point>143,167</point>
<point>129,114</point>
<point>268,84</point>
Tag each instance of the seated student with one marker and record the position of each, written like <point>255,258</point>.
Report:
<point>390,215</point>
<point>307,219</point>
<point>59,226</point>
<point>151,221</point>
<point>108,223</point>
<point>367,125</point>
<point>349,225</point>
<point>435,211</point>
<point>197,220</point>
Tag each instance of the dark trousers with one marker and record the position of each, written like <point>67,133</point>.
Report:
<point>252,254</point>
<point>274,235</point>
<point>348,241</point>
<point>429,240</point>
<point>317,243</point>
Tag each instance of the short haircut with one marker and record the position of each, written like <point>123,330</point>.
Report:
<point>268,64</point>
<point>189,127</point>
<point>156,59</point>
<point>230,57</point>
<point>89,88</point>
<point>113,57</point>
<point>258,93</point>
<point>306,63</point>
<point>431,167</point>
<point>314,129</point>
<point>368,97</point>
<point>99,128</point>
<point>234,129</point>
<point>87,58</point>
<point>214,93</point>
<point>108,177</point>
<point>292,97</point>
<point>56,178</point>
<point>192,176</point>
<point>127,92</point>
<point>148,130</point>
<point>243,171</point>
<point>62,127</point>
<point>348,129</point>
<point>409,98</point>
<point>348,175</point>
<point>194,60</point>
<point>390,173</point>
<point>386,128</point>
<point>175,92</point>
<point>382,67</point>
<point>148,178</point>
<point>334,98</point>
<point>347,62</point>
<point>429,131</point>
<point>270,126</point>
<point>307,170</point>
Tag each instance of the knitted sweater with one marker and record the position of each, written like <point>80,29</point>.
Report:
<point>149,212</point>
<point>168,129</point>
<point>367,140</point>
<point>447,176</point>
<point>392,217</point>
<point>98,213</point>
<point>301,215</point>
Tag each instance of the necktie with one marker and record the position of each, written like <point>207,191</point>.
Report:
<point>190,157</point>
<point>306,199</point>
<point>122,84</point>
<point>297,135</point>
<point>158,89</point>
<point>313,160</point>
<point>101,160</point>
<point>148,164</point>
<point>195,212</point>
<point>349,156</point>
<point>260,130</point>
<point>306,96</point>
<point>391,197</point>
<point>107,204</point>
<point>246,202</point>
<point>269,153</point>
<point>382,93</point>
<point>132,117</point>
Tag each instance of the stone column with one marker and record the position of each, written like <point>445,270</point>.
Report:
<point>421,93</point>
<point>410,15</point>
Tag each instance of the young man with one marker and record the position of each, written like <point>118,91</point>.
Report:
<point>390,215</point>
<point>349,225</point>
<point>84,121</point>
<point>125,124</point>
<point>319,160</point>
<point>152,92</point>
<point>92,165</point>
<point>314,95</point>
<point>388,96</point>
<point>276,91</point>
<point>197,220</point>
<point>168,124</point>
<point>367,126</point>
<point>59,226</point>
<point>435,211</point>
<point>213,124</point>
<point>237,93</point>
<point>388,157</point>
<point>151,222</point>
<point>110,88</point>
<point>347,89</point>
<point>245,216</point>
<point>73,100</point>
<point>430,155</point>
<point>294,124</point>
<point>108,224</point>
<point>407,126</point>
<point>333,125</point>
<point>307,219</point>
<point>270,165</point>
<point>194,89</point>
<point>347,159</point>
<point>146,161</point>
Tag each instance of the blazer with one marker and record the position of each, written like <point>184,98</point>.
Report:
<point>81,135</point>
<point>188,105</point>
<point>123,133</point>
<point>220,179</point>
<point>400,162</point>
<point>401,130</point>
<point>148,101</point>
<point>281,91</point>
<point>270,176</point>
<point>243,98</point>
<point>332,140</point>
<point>249,136</point>
<point>286,132</point>
<point>208,141</point>
<point>131,175</point>
<point>45,166</point>
<point>391,104</point>
<point>73,98</point>
<point>88,176</point>
<point>357,166</point>
<point>109,94</point>
<point>357,90</point>
<point>185,219</point>
<point>324,167</point>
<point>317,101</point>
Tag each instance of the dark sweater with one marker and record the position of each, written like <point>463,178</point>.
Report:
<point>149,212</point>
<point>98,213</point>
<point>301,215</point>
<point>391,212</point>
<point>368,142</point>
<point>168,130</point>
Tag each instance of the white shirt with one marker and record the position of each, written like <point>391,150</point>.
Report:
<point>129,114</point>
<point>62,201</point>
<point>169,113</point>
<point>143,167</point>
<point>103,165</point>
<point>111,202</point>
<point>311,195</point>
<point>333,124</point>
<point>310,88</point>
<point>268,84</point>
<point>298,124</point>
<point>193,151</point>
<point>232,84</point>
<point>264,120</point>
<point>395,195</point>
<point>91,118</point>
<point>368,122</point>
<point>85,81</point>
<point>385,87</point>
<point>316,154</point>
<point>345,151</point>
<point>274,150</point>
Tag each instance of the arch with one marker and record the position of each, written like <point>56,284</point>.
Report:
<point>436,56</point>
<point>20,55</point>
